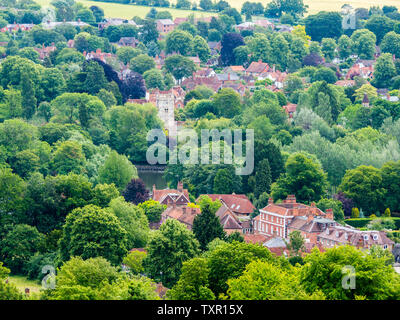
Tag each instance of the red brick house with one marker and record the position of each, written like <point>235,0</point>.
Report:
<point>169,197</point>
<point>165,25</point>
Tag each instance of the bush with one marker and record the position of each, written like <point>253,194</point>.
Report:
<point>363,222</point>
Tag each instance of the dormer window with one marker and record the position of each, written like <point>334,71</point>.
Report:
<point>365,237</point>
<point>375,237</point>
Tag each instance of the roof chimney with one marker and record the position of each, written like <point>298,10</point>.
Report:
<point>329,213</point>
<point>180,186</point>
<point>270,200</point>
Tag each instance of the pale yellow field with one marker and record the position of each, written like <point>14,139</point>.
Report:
<point>116,10</point>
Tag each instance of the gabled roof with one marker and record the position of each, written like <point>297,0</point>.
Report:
<point>165,22</point>
<point>257,67</point>
<point>237,203</point>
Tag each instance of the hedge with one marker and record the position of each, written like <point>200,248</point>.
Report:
<point>362,222</point>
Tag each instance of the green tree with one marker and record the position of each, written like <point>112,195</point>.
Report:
<point>328,48</point>
<point>223,181</point>
<point>93,232</point>
<point>333,204</point>
<point>142,63</point>
<point>153,210</point>
<point>193,282</point>
<point>8,291</point>
<point>324,25</point>
<point>19,245</point>
<point>374,280</point>
<point>154,79</point>
<point>12,190</point>
<point>304,178</point>
<point>179,66</point>
<point>134,261</point>
<point>345,46</point>
<point>364,186</point>
<point>180,42</point>
<point>296,242</point>
<point>262,178</point>
<point>68,157</point>
<point>168,248</point>
<point>133,219</point>
<point>227,102</point>
<point>207,227</point>
<point>117,169</point>
<point>265,281</point>
<point>384,71</point>
<point>201,49</point>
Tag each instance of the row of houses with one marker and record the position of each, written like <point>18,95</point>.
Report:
<point>275,222</point>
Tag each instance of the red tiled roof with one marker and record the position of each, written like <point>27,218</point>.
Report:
<point>257,67</point>
<point>238,203</point>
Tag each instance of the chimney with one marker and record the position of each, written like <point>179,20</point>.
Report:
<point>193,210</point>
<point>154,190</point>
<point>329,213</point>
<point>259,61</point>
<point>180,186</point>
<point>270,201</point>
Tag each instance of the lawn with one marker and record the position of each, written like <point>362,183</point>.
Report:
<point>126,11</point>
<point>21,283</point>
<point>115,10</point>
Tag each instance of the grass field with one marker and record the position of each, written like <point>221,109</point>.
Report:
<point>115,10</point>
<point>21,283</point>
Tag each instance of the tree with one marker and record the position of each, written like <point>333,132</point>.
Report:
<point>266,281</point>
<point>276,8</point>
<point>148,32</point>
<point>363,43</point>
<point>133,219</point>
<point>133,87</point>
<point>223,181</point>
<point>19,245</point>
<point>355,213</point>
<point>328,48</point>
<point>229,260</point>
<point>323,25</point>
<point>365,89</point>
<point>304,178</point>
<point>379,25</point>
<point>134,261</point>
<point>193,282</point>
<point>92,232</point>
<point>136,191</point>
<point>68,157</point>
<point>168,248</point>
<point>117,169</point>
<point>296,242</point>
<point>179,66</point>
<point>206,5</point>
<point>364,186</point>
<point>86,15</point>
<point>333,204</point>
<point>345,45</point>
<point>391,43</point>
<point>384,71</point>
<point>262,178</point>
<point>179,42</point>
<point>153,210</point>
<point>201,49</point>
<point>374,280</point>
<point>229,42</point>
<point>154,79</point>
<point>227,102</point>
<point>8,291</point>
<point>390,173</point>
<point>207,227</point>
<point>82,279</point>
<point>12,189</point>
<point>126,54</point>
<point>142,63</point>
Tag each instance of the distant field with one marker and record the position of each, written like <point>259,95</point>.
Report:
<point>115,10</point>
<point>126,11</point>
<point>21,283</point>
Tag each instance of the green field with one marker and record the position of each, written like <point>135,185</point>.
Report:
<point>21,283</point>
<point>115,10</point>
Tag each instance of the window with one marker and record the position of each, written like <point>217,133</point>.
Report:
<point>365,237</point>
<point>375,237</point>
